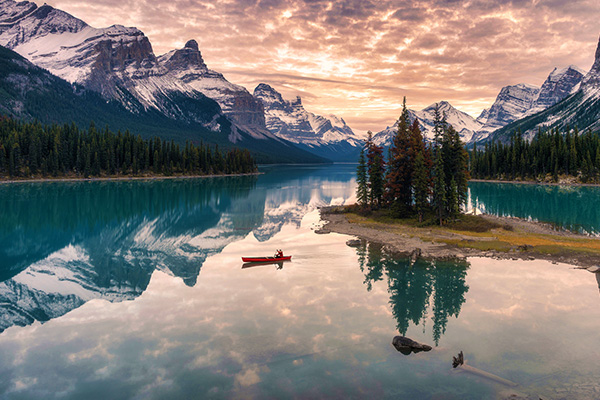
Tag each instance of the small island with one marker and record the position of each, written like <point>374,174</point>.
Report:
<point>412,204</point>
<point>469,236</point>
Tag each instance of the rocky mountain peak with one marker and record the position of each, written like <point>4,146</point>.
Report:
<point>192,44</point>
<point>187,58</point>
<point>269,96</point>
<point>591,81</point>
<point>443,106</point>
<point>287,119</point>
<point>266,90</point>
<point>19,22</point>
<point>482,118</point>
<point>559,84</point>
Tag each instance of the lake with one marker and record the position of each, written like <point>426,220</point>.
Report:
<point>136,290</point>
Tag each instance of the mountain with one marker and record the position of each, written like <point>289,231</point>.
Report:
<point>560,84</point>
<point>580,108</point>
<point>328,137</point>
<point>466,125</point>
<point>118,62</point>
<point>519,101</point>
<point>30,92</point>
<point>174,95</point>
<point>512,103</point>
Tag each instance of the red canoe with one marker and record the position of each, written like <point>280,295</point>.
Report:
<point>266,259</point>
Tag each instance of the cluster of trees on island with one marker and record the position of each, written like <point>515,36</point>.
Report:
<point>420,179</point>
<point>31,149</point>
<point>417,178</point>
<point>548,154</point>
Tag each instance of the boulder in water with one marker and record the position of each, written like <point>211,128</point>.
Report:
<point>406,345</point>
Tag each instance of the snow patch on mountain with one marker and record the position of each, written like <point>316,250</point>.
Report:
<point>119,63</point>
<point>290,120</point>
<point>465,125</point>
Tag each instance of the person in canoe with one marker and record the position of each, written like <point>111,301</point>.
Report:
<point>278,254</point>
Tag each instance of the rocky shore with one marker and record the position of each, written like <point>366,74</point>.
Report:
<point>518,239</point>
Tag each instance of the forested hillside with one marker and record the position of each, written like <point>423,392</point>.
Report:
<point>35,150</point>
<point>548,155</point>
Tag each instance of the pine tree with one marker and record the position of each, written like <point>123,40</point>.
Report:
<point>439,187</point>
<point>421,185</point>
<point>375,169</point>
<point>362,190</point>
<point>400,166</point>
<point>439,176</point>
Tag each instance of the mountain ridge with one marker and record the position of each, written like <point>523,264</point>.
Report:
<point>581,109</point>
<point>328,136</point>
<point>119,63</point>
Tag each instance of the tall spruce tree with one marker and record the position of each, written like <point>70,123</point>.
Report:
<point>376,170</point>
<point>456,171</point>
<point>362,190</point>
<point>400,167</point>
<point>421,185</point>
<point>439,176</point>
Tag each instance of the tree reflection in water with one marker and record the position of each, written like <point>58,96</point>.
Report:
<point>417,288</point>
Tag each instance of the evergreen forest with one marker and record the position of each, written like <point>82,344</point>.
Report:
<point>546,157</point>
<point>33,150</point>
<point>418,178</point>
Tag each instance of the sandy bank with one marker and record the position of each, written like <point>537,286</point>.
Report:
<point>518,239</point>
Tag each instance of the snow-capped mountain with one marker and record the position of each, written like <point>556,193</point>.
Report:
<point>580,108</point>
<point>590,84</point>
<point>560,84</point>
<point>512,102</point>
<point>519,101</point>
<point>466,125</point>
<point>289,120</point>
<point>119,63</point>
<point>177,89</point>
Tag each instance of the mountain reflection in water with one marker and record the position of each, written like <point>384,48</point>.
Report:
<point>63,244</point>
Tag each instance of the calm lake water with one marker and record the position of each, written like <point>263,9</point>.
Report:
<point>120,290</point>
<point>571,207</point>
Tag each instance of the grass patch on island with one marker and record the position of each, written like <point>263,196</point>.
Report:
<point>465,223</point>
<point>474,232</point>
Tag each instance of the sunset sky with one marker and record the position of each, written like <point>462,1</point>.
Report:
<point>358,58</point>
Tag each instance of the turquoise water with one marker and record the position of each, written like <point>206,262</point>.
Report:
<point>571,207</point>
<point>137,290</point>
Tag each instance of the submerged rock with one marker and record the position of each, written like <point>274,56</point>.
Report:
<point>415,255</point>
<point>406,345</point>
<point>353,243</point>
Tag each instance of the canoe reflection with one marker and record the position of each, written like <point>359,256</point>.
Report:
<point>278,264</point>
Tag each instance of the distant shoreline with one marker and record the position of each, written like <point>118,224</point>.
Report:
<point>122,178</point>
<point>535,182</point>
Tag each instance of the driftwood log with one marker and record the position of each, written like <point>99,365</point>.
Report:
<point>459,362</point>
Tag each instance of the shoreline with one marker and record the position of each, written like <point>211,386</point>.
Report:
<point>523,240</point>
<point>122,178</point>
<point>537,183</point>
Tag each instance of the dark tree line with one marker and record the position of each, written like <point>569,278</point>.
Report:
<point>32,149</point>
<point>547,155</point>
<point>418,177</point>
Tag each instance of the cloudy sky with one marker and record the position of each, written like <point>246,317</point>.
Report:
<point>358,58</point>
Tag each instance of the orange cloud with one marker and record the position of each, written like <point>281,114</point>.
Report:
<point>358,58</point>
